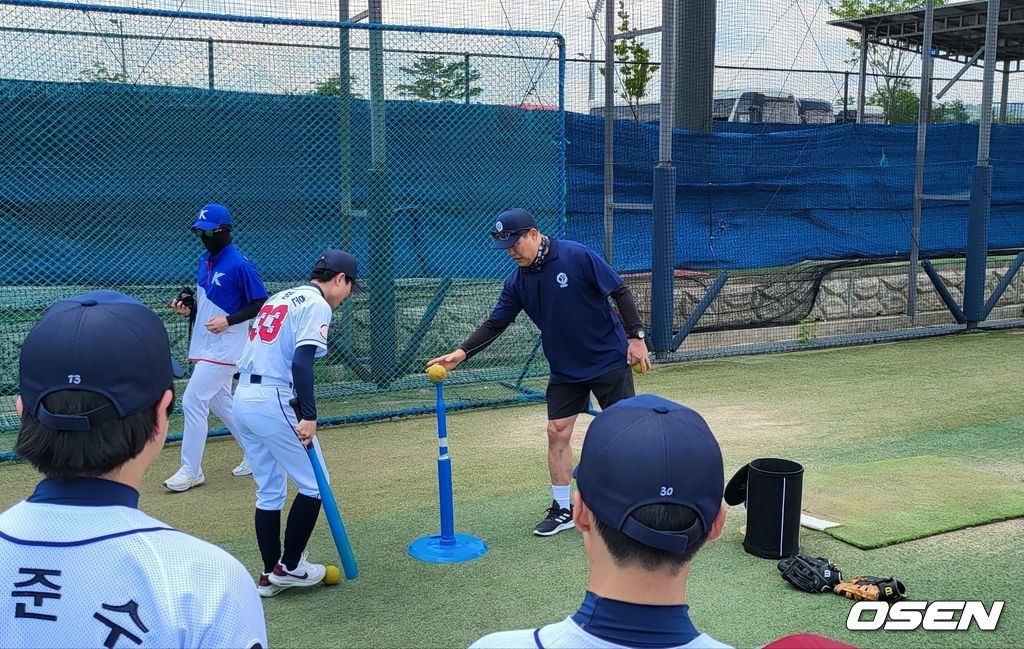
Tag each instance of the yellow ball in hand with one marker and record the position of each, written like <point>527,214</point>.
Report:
<point>638,367</point>
<point>437,373</point>
<point>332,576</point>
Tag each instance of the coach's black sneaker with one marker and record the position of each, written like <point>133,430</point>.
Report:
<point>558,519</point>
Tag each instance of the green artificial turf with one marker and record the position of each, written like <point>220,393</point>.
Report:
<point>891,501</point>
<point>954,398</point>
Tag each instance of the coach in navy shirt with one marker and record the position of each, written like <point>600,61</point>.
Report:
<point>564,288</point>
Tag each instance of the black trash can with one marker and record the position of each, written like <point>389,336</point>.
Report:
<point>773,491</point>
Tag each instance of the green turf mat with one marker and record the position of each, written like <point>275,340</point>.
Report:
<point>891,501</point>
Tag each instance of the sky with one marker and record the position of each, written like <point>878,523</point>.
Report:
<point>789,35</point>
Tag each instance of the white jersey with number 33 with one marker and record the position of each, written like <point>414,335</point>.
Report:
<point>289,319</point>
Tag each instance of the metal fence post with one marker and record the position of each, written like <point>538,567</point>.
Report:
<point>209,60</point>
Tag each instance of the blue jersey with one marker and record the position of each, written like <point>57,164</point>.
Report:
<point>225,283</point>
<point>567,298</point>
<point>229,279</point>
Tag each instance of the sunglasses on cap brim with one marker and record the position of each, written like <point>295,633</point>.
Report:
<point>505,235</point>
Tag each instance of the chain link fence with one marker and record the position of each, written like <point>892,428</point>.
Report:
<point>399,144</point>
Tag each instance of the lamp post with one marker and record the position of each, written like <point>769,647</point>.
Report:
<point>124,61</point>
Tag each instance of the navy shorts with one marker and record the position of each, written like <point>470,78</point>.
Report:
<point>568,399</point>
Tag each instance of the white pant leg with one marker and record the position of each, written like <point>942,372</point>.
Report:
<point>222,405</point>
<point>257,415</point>
<point>208,381</point>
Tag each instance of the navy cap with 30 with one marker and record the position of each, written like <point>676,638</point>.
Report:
<point>509,226</point>
<point>211,217</point>
<point>103,342</point>
<point>339,261</point>
<point>647,450</point>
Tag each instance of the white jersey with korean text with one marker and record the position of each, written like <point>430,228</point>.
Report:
<point>289,319</point>
<point>112,576</point>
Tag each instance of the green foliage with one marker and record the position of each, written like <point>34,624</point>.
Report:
<point>435,79</point>
<point>891,92</point>
<point>331,86</point>
<point>635,67</point>
<point>950,112</point>
<point>900,103</point>
<point>98,73</point>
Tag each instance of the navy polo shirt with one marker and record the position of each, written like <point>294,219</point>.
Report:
<point>567,298</point>
<point>229,279</point>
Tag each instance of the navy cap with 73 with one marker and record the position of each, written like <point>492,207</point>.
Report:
<point>102,342</point>
<point>339,261</point>
<point>648,450</point>
<point>509,226</point>
<point>211,217</point>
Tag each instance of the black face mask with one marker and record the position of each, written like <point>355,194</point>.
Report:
<point>217,242</point>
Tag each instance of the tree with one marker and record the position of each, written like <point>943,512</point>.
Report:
<point>951,112</point>
<point>635,67</point>
<point>98,73</point>
<point>436,79</point>
<point>331,87</point>
<point>901,104</point>
<point>891,89</point>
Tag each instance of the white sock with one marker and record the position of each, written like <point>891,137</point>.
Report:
<point>560,492</point>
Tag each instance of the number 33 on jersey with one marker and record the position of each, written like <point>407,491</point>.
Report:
<point>288,320</point>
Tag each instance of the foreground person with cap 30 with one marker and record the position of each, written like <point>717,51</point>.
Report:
<point>80,564</point>
<point>290,331</point>
<point>564,288</point>
<point>649,495</point>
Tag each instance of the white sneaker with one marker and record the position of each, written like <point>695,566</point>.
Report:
<point>243,468</point>
<point>305,574</point>
<point>183,480</point>
<point>267,589</point>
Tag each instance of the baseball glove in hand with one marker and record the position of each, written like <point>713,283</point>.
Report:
<point>812,574</point>
<point>872,589</point>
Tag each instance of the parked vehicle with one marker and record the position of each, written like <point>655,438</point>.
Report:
<point>755,107</point>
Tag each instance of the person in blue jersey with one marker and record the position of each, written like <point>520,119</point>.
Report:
<point>649,495</point>
<point>229,294</point>
<point>81,565</point>
<point>564,287</point>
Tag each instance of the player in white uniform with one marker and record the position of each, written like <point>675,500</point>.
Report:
<point>80,565</point>
<point>229,294</point>
<point>649,494</point>
<point>277,363</point>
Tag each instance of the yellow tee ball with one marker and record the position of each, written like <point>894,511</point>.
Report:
<point>638,367</point>
<point>332,576</point>
<point>437,373</point>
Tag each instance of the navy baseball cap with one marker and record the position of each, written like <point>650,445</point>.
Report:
<point>648,450</point>
<point>211,217</point>
<point>103,342</point>
<point>339,261</point>
<point>509,226</point>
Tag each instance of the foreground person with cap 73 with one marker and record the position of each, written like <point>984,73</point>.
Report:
<point>564,288</point>
<point>80,564</point>
<point>290,331</point>
<point>650,483</point>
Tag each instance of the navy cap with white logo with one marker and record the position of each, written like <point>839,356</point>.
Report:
<point>102,342</point>
<point>648,450</point>
<point>509,226</point>
<point>339,261</point>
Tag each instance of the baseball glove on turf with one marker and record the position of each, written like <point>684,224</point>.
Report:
<point>872,589</point>
<point>812,574</point>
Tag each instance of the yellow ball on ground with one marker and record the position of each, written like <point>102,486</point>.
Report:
<point>332,576</point>
<point>437,373</point>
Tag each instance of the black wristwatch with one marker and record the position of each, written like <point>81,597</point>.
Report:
<point>640,333</point>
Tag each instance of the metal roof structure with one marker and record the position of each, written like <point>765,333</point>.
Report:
<point>958,31</point>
